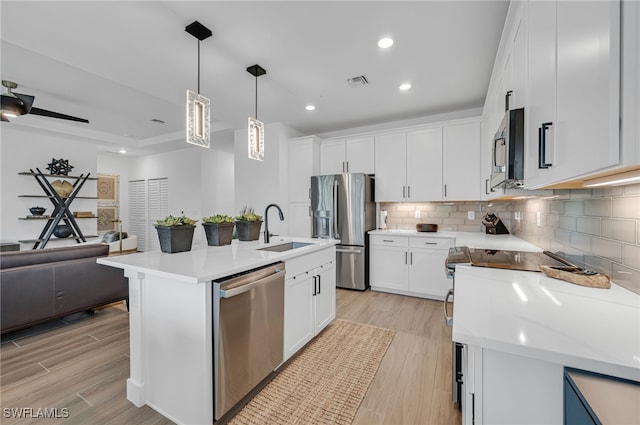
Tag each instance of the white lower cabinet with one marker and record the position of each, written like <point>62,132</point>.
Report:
<point>410,265</point>
<point>491,377</point>
<point>309,298</point>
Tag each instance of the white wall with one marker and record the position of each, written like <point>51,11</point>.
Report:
<point>260,183</point>
<point>23,149</point>
<point>218,194</point>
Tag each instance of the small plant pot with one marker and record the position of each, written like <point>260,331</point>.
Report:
<point>248,230</point>
<point>175,238</point>
<point>218,234</point>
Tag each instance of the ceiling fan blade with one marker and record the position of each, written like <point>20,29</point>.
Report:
<point>51,114</point>
<point>26,99</point>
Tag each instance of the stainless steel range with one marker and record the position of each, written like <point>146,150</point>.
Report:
<point>511,260</point>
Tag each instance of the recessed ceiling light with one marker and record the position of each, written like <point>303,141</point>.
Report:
<point>405,86</point>
<point>122,151</point>
<point>385,43</point>
<point>310,107</point>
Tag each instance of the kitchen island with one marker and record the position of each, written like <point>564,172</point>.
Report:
<point>521,329</point>
<point>171,317</point>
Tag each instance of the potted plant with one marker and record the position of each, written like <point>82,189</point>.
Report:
<point>248,225</point>
<point>219,229</point>
<point>175,233</point>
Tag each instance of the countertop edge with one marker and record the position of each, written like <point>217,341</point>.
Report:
<point>252,264</point>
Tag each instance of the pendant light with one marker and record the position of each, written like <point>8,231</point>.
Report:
<point>198,106</point>
<point>255,136</point>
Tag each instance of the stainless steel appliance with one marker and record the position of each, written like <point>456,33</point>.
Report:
<point>511,260</point>
<point>493,225</point>
<point>342,208</point>
<point>248,328</point>
<point>507,159</point>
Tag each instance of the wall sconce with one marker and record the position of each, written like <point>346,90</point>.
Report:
<point>198,106</point>
<point>255,136</point>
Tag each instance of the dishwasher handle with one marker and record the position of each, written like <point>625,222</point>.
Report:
<point>247,283</point>
<point>447,317</point>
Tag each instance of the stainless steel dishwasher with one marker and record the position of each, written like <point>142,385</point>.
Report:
<point>248,327</point>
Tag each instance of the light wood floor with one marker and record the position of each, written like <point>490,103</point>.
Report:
<point>83,367</point>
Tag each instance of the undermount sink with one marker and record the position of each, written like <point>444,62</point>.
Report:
<point>285,246</point>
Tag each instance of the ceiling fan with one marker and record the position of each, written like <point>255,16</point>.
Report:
<point>16,104</point>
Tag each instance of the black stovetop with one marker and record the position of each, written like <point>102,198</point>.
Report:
<point>499,259</point>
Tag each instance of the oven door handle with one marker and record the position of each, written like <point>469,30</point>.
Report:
<point>449,319</point>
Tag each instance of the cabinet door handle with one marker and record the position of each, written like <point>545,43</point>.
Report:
<point>445,190</point>
<point>506,100</point>
<point>411,258</point>
<point>487,191</point>
<point>403,192</point>
<point>431,243</point>
<point>542,145</point>
<point>315,292</point>
<point>319,285</point>
<point>405,257</point>
<point>387,240</point>
<point>408,191</point>
<point>346,170</point>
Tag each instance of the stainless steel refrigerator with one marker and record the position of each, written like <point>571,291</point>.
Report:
<point>342,208</point>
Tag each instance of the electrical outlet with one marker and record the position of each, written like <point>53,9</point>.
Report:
<point>471,215</point>
<point>417,213</point>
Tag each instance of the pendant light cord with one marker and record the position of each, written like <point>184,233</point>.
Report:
<point>198,66</point>
<point>256,98</point>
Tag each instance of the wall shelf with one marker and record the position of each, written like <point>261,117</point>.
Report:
<point>50,218</point>
<point>60,176</point>
<point>51,196</point>
<point>61,213</point>
<point>58,239</point>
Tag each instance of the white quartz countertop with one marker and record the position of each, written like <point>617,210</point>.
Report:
<point>470,239</point>
<point>529,314</point>
<point>206,263</point>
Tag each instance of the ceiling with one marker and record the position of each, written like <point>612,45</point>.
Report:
<point>122,64</point>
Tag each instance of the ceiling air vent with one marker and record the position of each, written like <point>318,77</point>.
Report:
<point>358,81</point>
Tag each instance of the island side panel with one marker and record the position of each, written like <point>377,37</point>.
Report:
<point>176,348</point>
<point>135,383</point>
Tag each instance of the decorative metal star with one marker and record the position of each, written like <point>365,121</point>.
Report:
<point>59,166</point>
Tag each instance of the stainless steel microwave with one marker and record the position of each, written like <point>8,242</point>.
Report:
<point>507,156</point>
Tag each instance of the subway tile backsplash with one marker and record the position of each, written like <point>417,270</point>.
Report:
<point>599,228</point>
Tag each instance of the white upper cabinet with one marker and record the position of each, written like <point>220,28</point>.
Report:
<point>573,90</point>
<point>541,105</point>
<point>409,166</point>
<point>353,155</point>
<point>461,152</point>
<point>304,162</point>
<point>360,155</point>
<point>424,165</point>
<point>391,168</point>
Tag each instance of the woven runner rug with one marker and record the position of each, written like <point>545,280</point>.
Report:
<point>326,382</point>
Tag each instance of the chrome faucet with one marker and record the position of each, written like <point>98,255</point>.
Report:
<point>266,221</point>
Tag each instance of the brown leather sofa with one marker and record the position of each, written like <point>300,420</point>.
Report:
<point>40,285</point>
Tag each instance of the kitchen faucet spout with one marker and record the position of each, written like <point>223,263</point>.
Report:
<point>267,234</point>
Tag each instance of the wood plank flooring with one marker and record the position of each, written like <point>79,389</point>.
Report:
<point>82,367</point>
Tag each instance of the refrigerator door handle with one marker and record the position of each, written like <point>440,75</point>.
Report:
<point>349,251</point>
<point>335,210</point>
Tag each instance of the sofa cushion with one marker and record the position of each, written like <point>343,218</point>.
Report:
<point>50,255</point>
<point>27,296</point>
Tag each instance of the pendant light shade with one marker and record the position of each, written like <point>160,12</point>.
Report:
<point>255,136</point>
<point>198,107</point>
